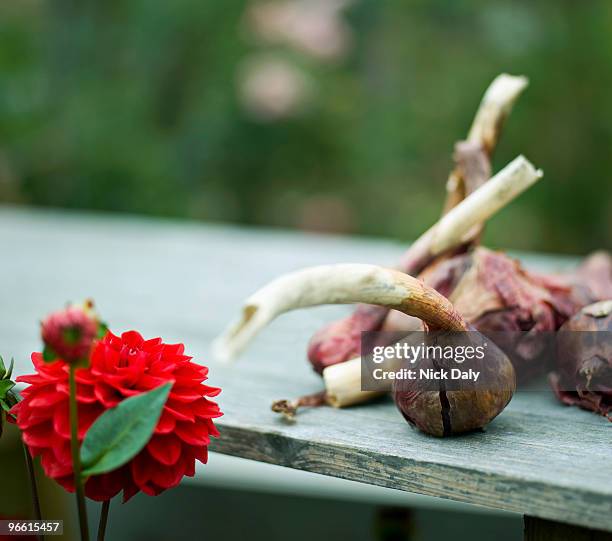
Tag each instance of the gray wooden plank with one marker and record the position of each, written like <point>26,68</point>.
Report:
<point>183,281</point>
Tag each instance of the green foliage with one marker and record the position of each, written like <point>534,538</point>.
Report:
<point>4,373</point>
<point>128,105</point>
<point>8,396</point>
<point>120,433</point>
<point>5,388</point>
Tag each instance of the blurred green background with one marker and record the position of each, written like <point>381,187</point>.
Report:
<point>321,115</point>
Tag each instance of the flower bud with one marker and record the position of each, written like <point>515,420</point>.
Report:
<point>69,334</point>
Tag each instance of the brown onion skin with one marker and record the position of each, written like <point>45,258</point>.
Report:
<point>583,375</point>
<point>471,406</point>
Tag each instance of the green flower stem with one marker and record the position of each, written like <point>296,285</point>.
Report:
<point>33,488</point>
<point>103,520</point>
<point>76,460</point>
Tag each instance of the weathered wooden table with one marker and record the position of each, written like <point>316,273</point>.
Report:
<point>185,281</point>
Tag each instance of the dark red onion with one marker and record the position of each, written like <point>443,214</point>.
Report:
<point>583,375</point>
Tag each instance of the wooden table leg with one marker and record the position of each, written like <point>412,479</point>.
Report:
<point>394,524</point>
<point>537,529</point>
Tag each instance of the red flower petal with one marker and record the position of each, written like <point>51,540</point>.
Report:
<point>179,411</point>
<point>32,379</point>
<point>61,420</point>
<point>40,435</point>
<point>45,400</point>
<point>166,424</point>
<point>101,487</point>
<point>185,395</point>
<point>132,339</point>
<point>165,448</point>
<point>107,395</point>
<point>193,433</point>
<point>54,468</point>
<point>201,454</point>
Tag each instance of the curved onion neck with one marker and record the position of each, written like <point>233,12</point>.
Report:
<point>495,106</point>
<point>455,227</point>
<point>482,139</point>
<point>337,284</point>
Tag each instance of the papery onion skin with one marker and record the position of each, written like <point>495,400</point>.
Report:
<point>519,309</point>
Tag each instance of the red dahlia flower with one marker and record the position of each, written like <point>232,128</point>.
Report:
<point>121,367</point>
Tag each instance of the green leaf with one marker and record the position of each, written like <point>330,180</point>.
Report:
<point>49,355</point>
<point>120,433</point>
<point>5,386</point>
<point>8,397</point>
<point>9,372</point>
<point>4,373</point>
<point>9,401</point>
